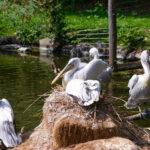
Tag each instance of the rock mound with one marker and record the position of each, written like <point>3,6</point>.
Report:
<point>68,131</point>
<point>115,143</point>
<point>65,125</point>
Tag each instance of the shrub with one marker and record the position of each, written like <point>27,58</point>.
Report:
<point>131,37</point>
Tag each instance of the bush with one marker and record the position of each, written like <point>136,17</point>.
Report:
<point>131,37</point>
<point>28,21</point>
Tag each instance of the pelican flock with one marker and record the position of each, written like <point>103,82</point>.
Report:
<point>83,81</point>
<point>90,71</point>
<point>8,134</point>
<point>139,85</point>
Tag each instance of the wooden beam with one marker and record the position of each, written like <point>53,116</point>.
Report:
<point>93,38</point>
<point>112,33</point>
<point>129,66</point>
<point>91,30</point>
<point>87,34</point>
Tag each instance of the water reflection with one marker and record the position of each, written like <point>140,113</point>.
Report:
<point>22,79</point>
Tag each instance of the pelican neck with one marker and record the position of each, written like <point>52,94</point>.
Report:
<point>96,57</point>
<point>146,67</point>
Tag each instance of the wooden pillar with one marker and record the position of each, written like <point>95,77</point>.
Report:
<point>112,33</point>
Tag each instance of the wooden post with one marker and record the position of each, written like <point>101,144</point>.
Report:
<point>112,33</point>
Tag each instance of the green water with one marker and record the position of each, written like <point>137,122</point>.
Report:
<point>24,78</point>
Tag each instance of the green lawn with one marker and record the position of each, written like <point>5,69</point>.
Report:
<point>31,26</point>
<point>87,19</point>
<point>131,28</point>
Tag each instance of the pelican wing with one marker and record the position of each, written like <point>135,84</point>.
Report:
<point>84,93</point>
<point>8,134</point>
<point>106,75</point>
<point>7,130</point>
<point>132,82</point>
<point>6,110</point>
<point>92,70</point>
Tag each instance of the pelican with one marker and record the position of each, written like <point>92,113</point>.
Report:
<point>105,76</point>
<point>65,78</point>
<point>139,85</point>
<point>83,92</point>
<point>7,129</point>
<point>90,71</point>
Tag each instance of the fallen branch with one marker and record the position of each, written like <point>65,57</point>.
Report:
<point>44,95</point>
<point>117,98</point>
<point>136,116</point>
<point>117,113</point>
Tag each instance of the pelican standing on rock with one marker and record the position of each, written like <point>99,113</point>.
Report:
<point>90,71</point>
<point>106,75</point>
<point>139,85</point>
<point>7,128</point>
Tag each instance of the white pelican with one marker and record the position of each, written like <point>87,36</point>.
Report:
<point>139,85</point>
<point>83,92</point>
<point>7,129</point>
<point>90,71</point>
<point>65,78</point>
<point>106,75</point>
<point>94,53</point>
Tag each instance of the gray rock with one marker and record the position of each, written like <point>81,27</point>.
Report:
<point>9,40</point>
<point>10,47</point>
<point>46,42</point>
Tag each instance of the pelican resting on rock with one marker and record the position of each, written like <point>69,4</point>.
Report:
<point>106,75</point>
<point>8,134</point>
<point>90,71</point>
<point>83,92</point>
<point>139,85</point>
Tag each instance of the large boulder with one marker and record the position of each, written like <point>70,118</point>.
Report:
<point>65,125</point>
<point>115,143</point>
<point>68,131</point>
<point>9,40</point>
<point>46,42</point>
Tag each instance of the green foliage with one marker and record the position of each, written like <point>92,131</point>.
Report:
<point>28,22</point>
<point>131,37</point>
<point>57,20</point>
<point>35,19</point>
<point>100,9</point>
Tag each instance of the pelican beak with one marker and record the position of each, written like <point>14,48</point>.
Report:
<point>67,68</point>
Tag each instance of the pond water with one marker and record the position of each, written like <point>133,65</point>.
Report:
<point>24,78</point>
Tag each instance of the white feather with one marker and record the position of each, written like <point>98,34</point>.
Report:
<point>132,82</point>
<point>7,130</point>
<point>83,92</point>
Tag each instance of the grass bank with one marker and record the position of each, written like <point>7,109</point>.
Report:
<point>132,28</point>
<point>30,23</point>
